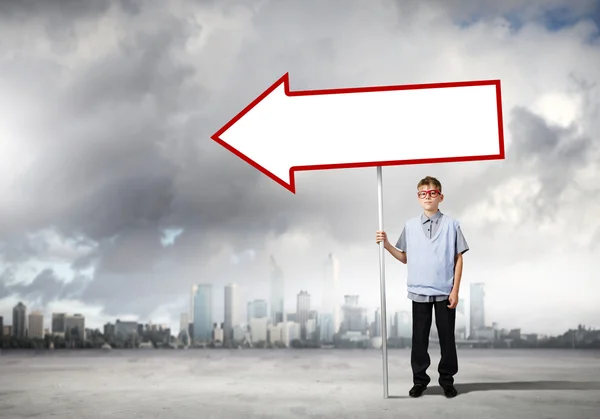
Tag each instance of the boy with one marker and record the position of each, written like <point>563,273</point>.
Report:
<point>431,246</point>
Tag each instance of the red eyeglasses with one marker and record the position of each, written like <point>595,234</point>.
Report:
<point>432,193</point>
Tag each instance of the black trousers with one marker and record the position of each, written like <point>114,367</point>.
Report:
<point>445,320</point>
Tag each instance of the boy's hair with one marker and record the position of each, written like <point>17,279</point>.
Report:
<point>430,180</point>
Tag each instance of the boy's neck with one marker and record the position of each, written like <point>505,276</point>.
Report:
<point>430,214</point>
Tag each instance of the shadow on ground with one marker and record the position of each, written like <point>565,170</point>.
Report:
<point>512,385</point>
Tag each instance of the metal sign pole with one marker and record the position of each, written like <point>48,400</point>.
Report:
<point>382,287</point>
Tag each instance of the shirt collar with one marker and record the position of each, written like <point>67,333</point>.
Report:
<point>434,217</point>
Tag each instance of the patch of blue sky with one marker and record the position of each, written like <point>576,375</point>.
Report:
<point>553,20</point>
<point>563,17</point>
<point>170,235</point>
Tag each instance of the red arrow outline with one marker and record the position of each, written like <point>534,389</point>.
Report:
<point>286,82</point>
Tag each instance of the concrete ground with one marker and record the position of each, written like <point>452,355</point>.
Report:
<point>202,384</point>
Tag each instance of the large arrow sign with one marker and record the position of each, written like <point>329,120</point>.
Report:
<point>282,132</point>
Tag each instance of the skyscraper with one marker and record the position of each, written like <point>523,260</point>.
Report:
<point>277,293</point>
<point>36,325</point>
<point>326,327</point>
<point>403,325</point>
<point>20,320</point>
<point>377,323</point>
<point>477,312</point>
<point>202,309</point>
<point>75,326</point>
<point>184,322</point>
<point>232,307</point>
<point>256,310</point>
<point>302,310</point>
<point>58,323</point>
<point>331,283</point>
<point>354,315</point>
<point>192,296</point>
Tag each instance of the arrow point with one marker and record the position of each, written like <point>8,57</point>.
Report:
<point>286,87</point>
<point>244,141</point>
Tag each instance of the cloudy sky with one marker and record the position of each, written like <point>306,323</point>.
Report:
<point>115,200</point>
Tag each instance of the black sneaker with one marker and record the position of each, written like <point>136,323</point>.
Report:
<point>417,390</point>
<point>450,391</point>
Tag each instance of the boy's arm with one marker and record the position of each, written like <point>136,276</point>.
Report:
<point>461,248</point>
<point>458,266</point>
<point>398,251</point>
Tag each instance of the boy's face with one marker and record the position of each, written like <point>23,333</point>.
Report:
<point>429,197</point>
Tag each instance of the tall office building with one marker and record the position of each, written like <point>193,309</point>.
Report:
<point>376,332</point>
<point>331,291</point>
<point>326,328</point>
<point>126,329</point>
<point>256,310</point>
<point>184,326</point>
<point>202,308</point>
<point>232,307</point>
<point>354,315</point>
<point>184,321</point>
<point>277,293</point>
<point>194,290</point>
<point>460,307</point>
<point>302,311</point>
<point>477,312</point>
<point>58,323</point>
<point>36,325</point>
<point>403,324</point>
<point>20,320</point>
<point>75,326</point>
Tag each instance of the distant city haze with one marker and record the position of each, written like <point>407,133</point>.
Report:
<point>116,204</point>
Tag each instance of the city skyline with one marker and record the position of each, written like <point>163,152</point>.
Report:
<point>217,313</point>
<point>304,328</point>
<point>201,320</point>
<point>115,200</point>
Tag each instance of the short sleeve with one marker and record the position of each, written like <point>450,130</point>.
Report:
<point>461,242</point>
<point>401,243</point>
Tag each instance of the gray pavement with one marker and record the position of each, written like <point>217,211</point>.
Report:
<point>257,383</point>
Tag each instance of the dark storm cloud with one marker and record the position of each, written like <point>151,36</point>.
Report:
<point>133,7</point>
<point>142,68</point>
<point>59,12</point>
<point>134,251</point>
<point>17,248</point>
<point>47,287</point>
<point>5,277</point>
<point>551,154</point>
<point>84,262</point>
<point>103,169</point>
